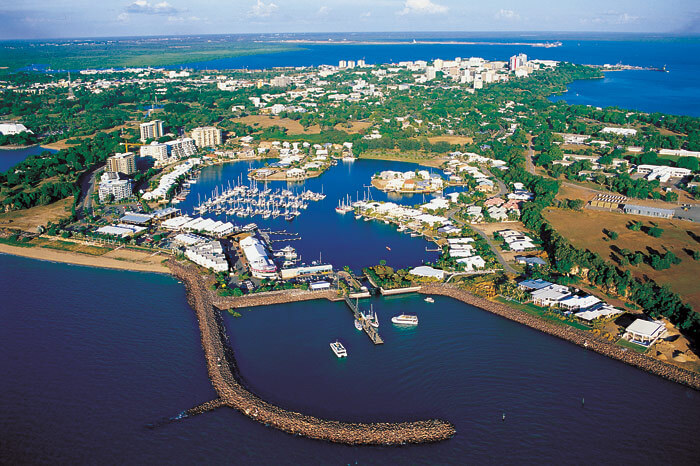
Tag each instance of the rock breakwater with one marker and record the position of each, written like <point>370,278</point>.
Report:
<point>223,375</point>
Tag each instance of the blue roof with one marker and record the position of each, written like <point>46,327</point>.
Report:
<point>535,284</point>
<point>531,260</point>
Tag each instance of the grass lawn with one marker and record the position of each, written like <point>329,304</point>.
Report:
<point>626,344</point>
<point>585,230</point>
<point>542,313</point>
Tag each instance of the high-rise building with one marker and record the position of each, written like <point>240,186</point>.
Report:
<point>361,63</point>
<point>156,151</point>
<point>180,148</point>
<point>112,185</point>
<point>207,136</point>
<point>151,130</point>
<point>122,163</point>
<point>342,64</point>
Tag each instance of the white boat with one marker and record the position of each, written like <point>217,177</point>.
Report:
<point>358,325</point>
<point>339,349</point>
<point>405,319</point>
<point>429,300</point>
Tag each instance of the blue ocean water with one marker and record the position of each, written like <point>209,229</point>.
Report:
<point>11,157</point>
<point>92,359</point>
<point>676,92</point>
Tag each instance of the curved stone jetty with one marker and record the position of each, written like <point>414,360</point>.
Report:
<point>578,337</point>
<point>222,372</point>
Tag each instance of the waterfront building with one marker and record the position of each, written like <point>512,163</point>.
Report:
<point>136,218</point>
<point>306,270</point>
<point>259,263</point>
<point>151,130</point>
<point>532,285</point>
<point>122,163</point>
<point>644,332</point>
<point>428,272</point>
<point>209,254</point>
<point>550,296</point>
<point>472,262</point>
<point>319,285</point>
<point>122,230</point>
<point>206,136</point>
<point>181,148</point>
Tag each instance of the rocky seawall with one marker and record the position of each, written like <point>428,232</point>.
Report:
<point>223,375</point>
<point>578,337</point>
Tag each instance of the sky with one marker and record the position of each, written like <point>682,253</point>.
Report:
<point>30,19</point>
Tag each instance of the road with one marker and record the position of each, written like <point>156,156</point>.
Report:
<point>529,166</point>
<point>506,267</point>
<point>87,188</point>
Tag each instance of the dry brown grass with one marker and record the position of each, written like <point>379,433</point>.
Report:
<point>29,219</point>
<point>451,139</point>
<point>585,230</point>
<point>354,127</point>
<point>264,121</point>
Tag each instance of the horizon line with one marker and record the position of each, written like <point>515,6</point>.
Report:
<point>193,35</point>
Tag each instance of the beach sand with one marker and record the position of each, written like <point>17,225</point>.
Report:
<point>122,260</point>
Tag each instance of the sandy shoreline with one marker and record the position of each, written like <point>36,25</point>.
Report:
<point>66,257</point>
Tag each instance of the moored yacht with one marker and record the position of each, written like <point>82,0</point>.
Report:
<point>405,319</point>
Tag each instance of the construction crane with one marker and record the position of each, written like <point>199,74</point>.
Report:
<point>126,142</point>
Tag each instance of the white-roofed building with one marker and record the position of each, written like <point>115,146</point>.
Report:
<point>574,303</point>
<point>425,271</point>
<point>258,261</point>
<point>209,254</point>
<point>644,332</point>
<point>472,262</point>
<point>550,295</point>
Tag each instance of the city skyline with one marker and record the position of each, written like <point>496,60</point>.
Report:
<point>36,19</point>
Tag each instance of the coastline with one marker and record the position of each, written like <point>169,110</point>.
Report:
<point>66,257</point>
<point>572,335</point>
<point>577,337</point>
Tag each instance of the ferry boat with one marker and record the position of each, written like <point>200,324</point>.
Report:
<point>429,300</point>
<point>339,349</point>
<point>405,319</point>
<point>358,325</point>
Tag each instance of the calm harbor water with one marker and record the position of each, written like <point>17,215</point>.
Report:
<point>325,234</point>
<point>88,368</point>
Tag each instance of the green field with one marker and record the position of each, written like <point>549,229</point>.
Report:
<point>126,52</point>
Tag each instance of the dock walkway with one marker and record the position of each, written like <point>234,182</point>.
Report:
<point>371,332</point>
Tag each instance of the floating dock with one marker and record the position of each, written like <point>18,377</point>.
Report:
<point>371,332</point>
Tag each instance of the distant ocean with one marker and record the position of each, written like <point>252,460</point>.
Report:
<point>676,92</point>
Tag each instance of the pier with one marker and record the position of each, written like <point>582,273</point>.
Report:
<point>231,392</point>
<point>371,332</point>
